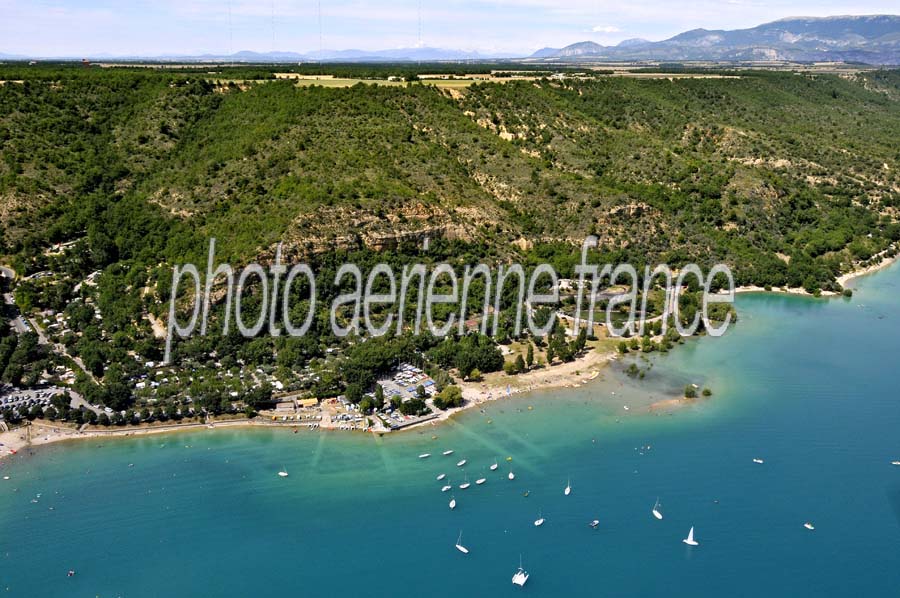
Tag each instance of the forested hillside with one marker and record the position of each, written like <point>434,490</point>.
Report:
<point>787,177</point>
<point>110,177</point>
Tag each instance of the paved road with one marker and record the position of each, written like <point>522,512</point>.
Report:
<point>78,401</point>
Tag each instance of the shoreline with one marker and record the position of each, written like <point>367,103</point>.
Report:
<point>886,261</point>
<point>43,433</point>
<point>843,280</point>
<point>493,387</point>
<point>799,291</point>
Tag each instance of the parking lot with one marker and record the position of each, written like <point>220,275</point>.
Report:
<point>23,400</point>
<point>405,381</point>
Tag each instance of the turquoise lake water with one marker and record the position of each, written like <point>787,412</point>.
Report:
<point>810,386</point>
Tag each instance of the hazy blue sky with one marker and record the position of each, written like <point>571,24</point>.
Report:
<point>154,27</point>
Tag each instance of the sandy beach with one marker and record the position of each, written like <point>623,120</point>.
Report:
<point>843,280</point>
<point>494,386</point>
<point>850,276</point>
<point>572,374</point>
<point>784,290</point>
<point>42,432</point>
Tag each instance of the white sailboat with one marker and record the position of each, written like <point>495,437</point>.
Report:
<point>447,453</point>
<point>512,476</point>
<point>452,504</point>
<point>424,455</point>
<point>568,489</point>
<point>441,477</point>
<point>465,484</point>
<point>447,487</point>
<point>521,576</point>
<point>690,539</point>
<point>480,481</point>
<point>539,521</point>
<point>494,466</point>
<point>895,462</point>
<point>459,545</point>
<point>656,512</point>
<point>758,461</point>
<point>283,473</point>
<point>461,463</point>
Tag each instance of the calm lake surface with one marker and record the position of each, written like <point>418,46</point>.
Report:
<point>810,386</point>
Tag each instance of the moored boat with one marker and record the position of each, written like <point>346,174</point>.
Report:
<point>690,539</point>
<point>520,576</point>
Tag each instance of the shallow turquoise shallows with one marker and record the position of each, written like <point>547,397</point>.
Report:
<point>811,387</point>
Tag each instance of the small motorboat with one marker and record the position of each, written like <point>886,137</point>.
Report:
<point>809,526</point>
<point>459,545</point>
<point>526,493</point>
<point>594,523</point>
<point>758,461</point>
<point>656,512</point>
<point>71,573</point>
<point>892,463</point>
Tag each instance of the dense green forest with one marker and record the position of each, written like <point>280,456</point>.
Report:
<point>789,178</point>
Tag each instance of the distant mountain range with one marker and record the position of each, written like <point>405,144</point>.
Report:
<point>392,55</point>
<point>871,39</point>
<point>397,54</point>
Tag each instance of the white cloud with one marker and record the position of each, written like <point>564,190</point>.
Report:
<point>605,29</point>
